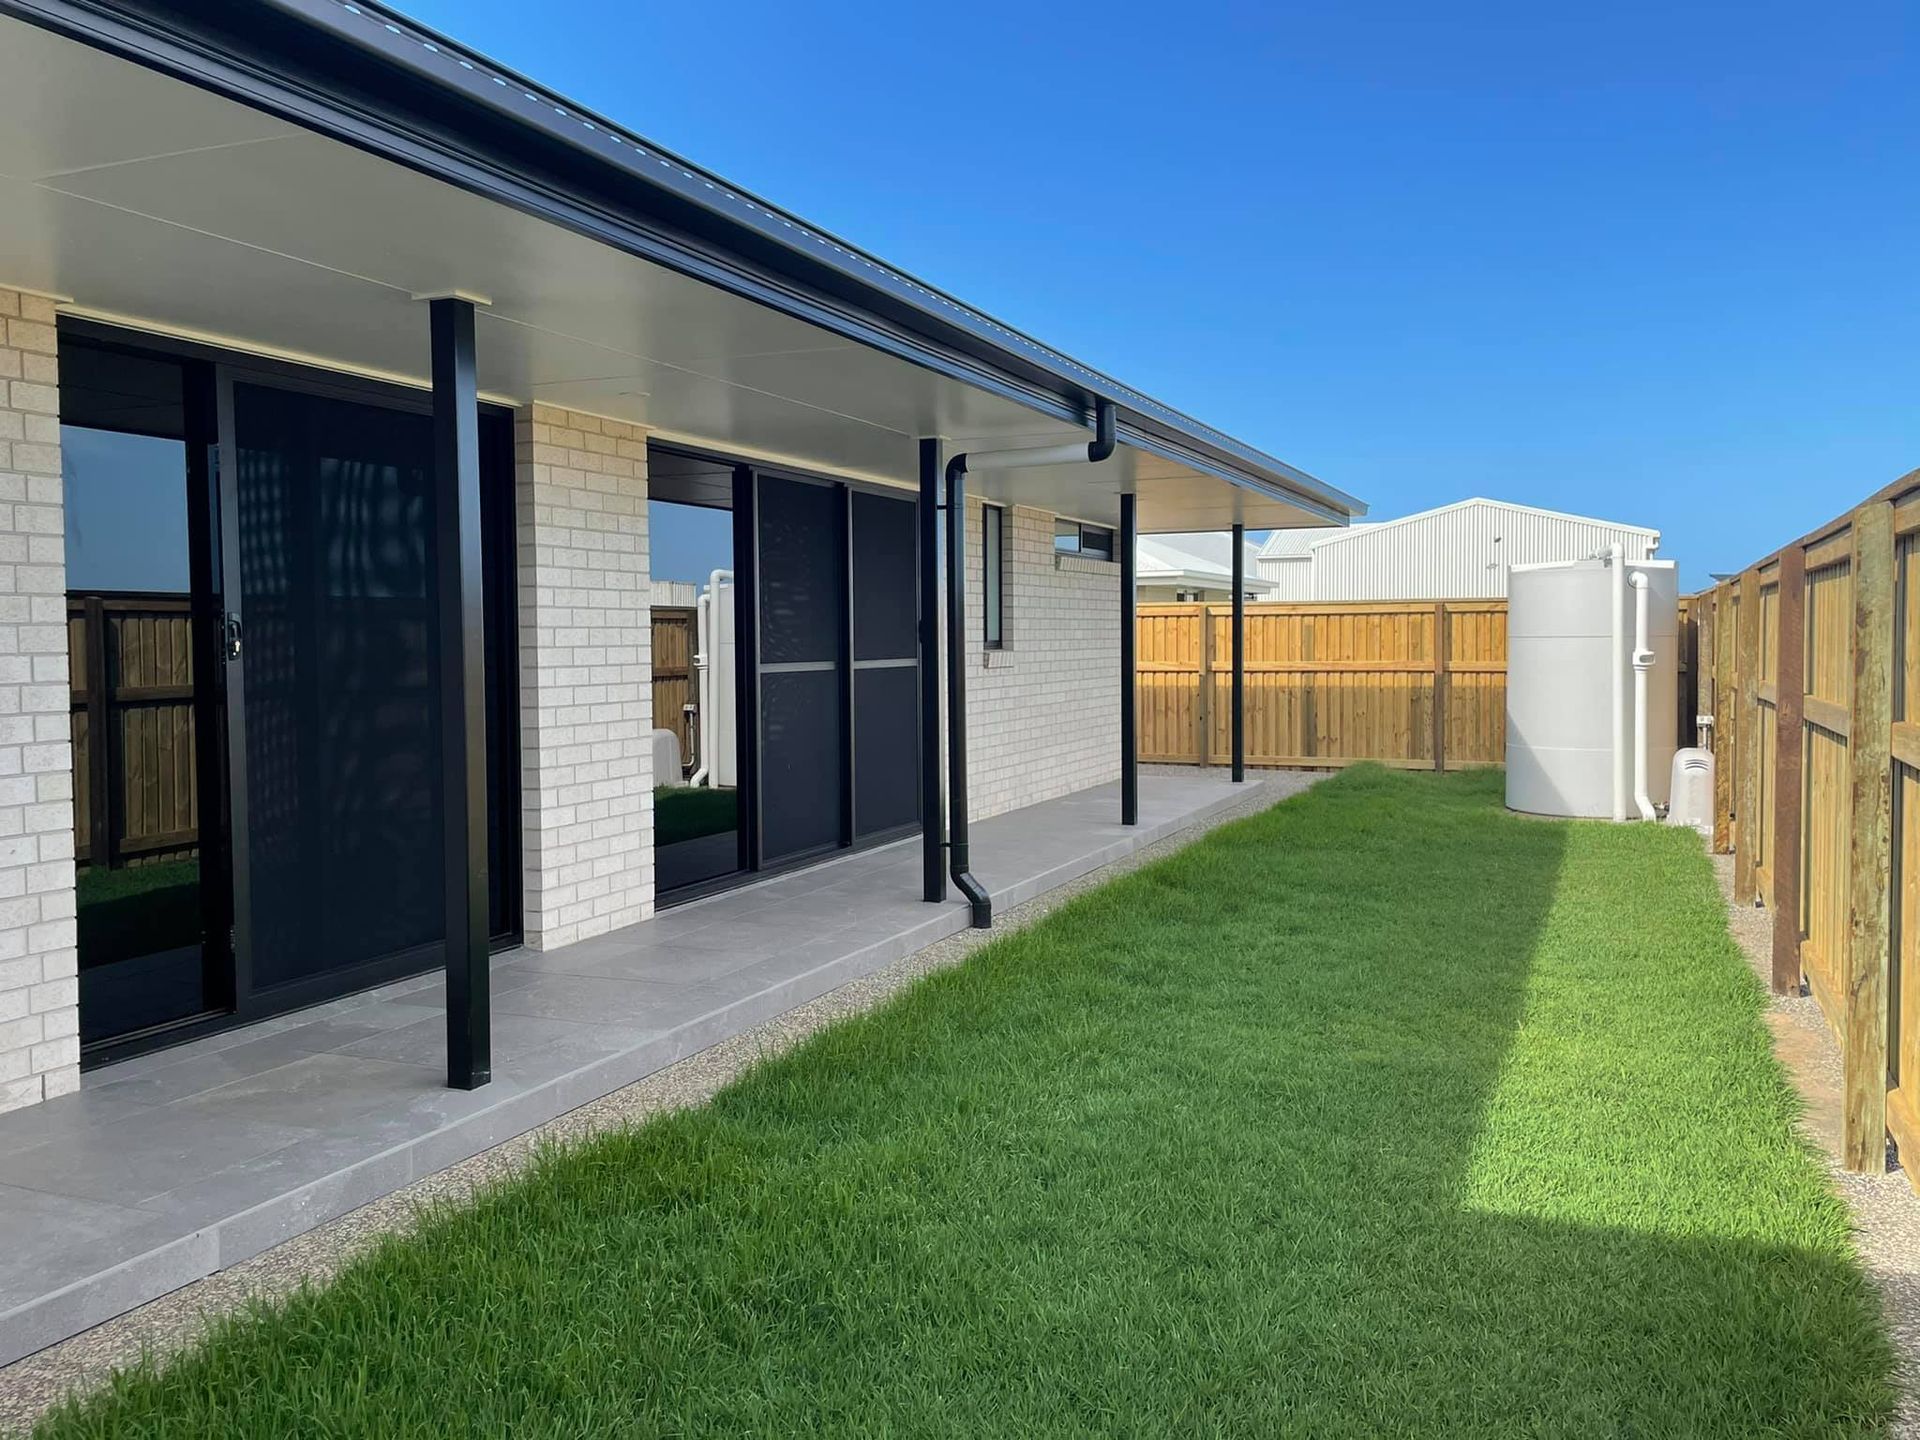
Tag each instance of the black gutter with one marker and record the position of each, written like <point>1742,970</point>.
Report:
<point>366,75</point>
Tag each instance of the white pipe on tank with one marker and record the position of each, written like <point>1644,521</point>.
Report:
<point>1642,668</point>
<point>1617,559</point>
<point>701,607</point>
<point>706,612</point>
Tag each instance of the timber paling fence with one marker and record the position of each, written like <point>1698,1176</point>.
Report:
<point>1415,684</point>
<point>136,788</point>
<point>674,646</point>
<point>1809,663</point>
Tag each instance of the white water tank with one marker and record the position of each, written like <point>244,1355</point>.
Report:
<point>1561,664</point>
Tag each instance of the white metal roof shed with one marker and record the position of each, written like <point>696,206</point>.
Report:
<point>1458,551</point>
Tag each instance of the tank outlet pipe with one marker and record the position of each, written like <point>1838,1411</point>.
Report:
<point>706,612</point>
<point>1642,672</point>
<point>977,462</point>
<point>1616,554</point>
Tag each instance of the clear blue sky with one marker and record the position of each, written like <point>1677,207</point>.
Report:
<point>1653,262</point>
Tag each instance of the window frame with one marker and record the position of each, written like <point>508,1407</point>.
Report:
<point>993,577</point>
<point>1079,533</point>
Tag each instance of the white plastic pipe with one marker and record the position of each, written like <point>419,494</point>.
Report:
<point>701,699</point>
<point>1642,672</point>
<point>706,611</point>
<point>1617,560</point>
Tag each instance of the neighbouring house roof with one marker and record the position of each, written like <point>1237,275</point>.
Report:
<point>1295,544</point>
<point>1204,560</point>
<point>366,74</point>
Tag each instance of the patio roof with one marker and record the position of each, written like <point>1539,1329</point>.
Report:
<point>288,175</point>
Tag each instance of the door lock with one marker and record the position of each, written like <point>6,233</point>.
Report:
<point>230,636</point>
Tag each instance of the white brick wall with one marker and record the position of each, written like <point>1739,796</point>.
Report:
<point>39,985</point>
<point>585,672</point>
<point>1043,714</point>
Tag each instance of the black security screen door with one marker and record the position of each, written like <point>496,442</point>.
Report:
<point>330,553</point>
<point>886,672</point>
<point>802,662</point>
<point>340,645</point>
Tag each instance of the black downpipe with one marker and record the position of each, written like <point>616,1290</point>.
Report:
<point>933,864</point>
<point>958,858</point>
<point>1129,748</point>
<point>1101,446</point>
<point>1239,654</point>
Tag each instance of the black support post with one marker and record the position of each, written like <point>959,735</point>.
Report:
<point>1129,746</point>
<point>933,870</point>
<point>1239,653</point>
<point>463,676</point>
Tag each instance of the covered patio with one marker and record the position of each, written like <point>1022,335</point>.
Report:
<point>347,246</point>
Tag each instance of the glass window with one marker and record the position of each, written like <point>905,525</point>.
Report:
<point>1070,537</point>
<point>992,538</point>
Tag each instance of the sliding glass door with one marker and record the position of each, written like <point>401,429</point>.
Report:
<point>254,626</point>
<point>149,837</point>
<point>809,689</point>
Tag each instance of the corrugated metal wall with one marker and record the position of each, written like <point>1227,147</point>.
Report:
<point>1292,579</point>
<point>1458,554</point>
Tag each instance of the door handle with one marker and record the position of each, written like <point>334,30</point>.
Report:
<point>230,636</point>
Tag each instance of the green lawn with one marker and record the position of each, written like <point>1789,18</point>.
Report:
<point>1379,1113</point>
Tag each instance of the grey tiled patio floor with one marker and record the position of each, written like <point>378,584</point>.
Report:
<point>169,1167</point>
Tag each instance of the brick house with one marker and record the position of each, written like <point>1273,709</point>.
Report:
<point>362,407</point>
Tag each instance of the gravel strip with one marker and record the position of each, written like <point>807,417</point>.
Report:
<point>164,1326</point>
<point>1886,1211</point>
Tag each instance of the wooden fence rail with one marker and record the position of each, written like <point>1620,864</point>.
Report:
<point>1809,664</point>
<point>1417,684</point>
<point>136,792</point>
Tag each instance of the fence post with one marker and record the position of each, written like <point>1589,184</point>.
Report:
<point>1789,751</point>
<point>1439,686</point>
<point>1705,618</point>
<point>1746,800</point>
<point>102,843</point>
<point>1870,843</point>
<point>1724,748</point>
<point>1205,707</point>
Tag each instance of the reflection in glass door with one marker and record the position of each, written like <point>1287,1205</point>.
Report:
<point>150,885</point>
<point>696,704</point>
